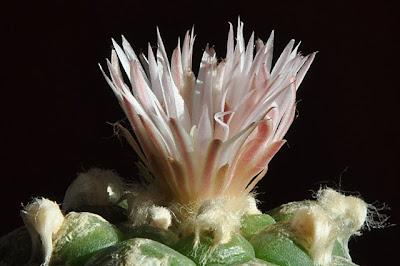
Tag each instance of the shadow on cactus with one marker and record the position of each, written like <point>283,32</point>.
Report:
<point>203,142</point>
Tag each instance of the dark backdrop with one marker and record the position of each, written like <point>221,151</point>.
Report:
<point>56,105</point>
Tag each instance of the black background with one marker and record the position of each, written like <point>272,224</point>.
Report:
<point>56,104</point>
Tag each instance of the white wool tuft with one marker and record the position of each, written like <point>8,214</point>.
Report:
<point>43,218</point>
<point>250,204</point>
<point>216,217</point>
<point>351,211</point>
<point>95,187</point>
<point>332,216</point>
<point>221,216</point>
<point>317,232</point>
<point>160,217</point>
<point>348,212</point>
<point>143,210</point>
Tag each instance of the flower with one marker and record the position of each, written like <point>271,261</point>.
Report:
<point>211,136</point>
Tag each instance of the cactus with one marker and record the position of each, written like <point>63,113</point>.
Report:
<point>203,145</point>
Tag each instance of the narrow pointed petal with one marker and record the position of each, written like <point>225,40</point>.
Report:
<point>282,58</point>
<point>249,54</point>
<point>269,49</point>
<point>304,69</point>
<point>155,76</point>
<point>187,51</point>
<point>220,180</point>
<point>131,55</point>
<point>177,69</point>
<point>210,163</point>
<point>185,148</point>
<point>204,132</point>
<point>133,143</point>
<point>162,48</point>
<point>122,57</point>
<point>262,163</point>
<point>230,44</point>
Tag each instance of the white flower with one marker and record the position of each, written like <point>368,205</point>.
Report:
<point>211,136</point>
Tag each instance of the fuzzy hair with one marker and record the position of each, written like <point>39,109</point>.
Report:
<point>94,187</point>
<point>43,219</point>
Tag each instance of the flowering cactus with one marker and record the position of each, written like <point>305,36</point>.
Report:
<point>203,143</point>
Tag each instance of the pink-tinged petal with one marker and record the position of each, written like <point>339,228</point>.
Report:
<point>244,107</point>
<point>204,133</point>
<point>122,57</point>
<point>180,181</point>
<point>174,103</point>
<point>221,128</point>
<point>155,76</point>
<point>300,75</point>
<point>142,91</point>
<point>131,55</point>
<point>262,86</point>
<point>293,54</point>
<point>154,134</point>
<point>258,164</point>
<point>127,100</point>
<point>266,88</point>
<point>115,77</point>
<point>249,54</point>
<point>123,93</point>
<point>165,177</point>
<point>157,161</point>
<point>286,119</point>
<point>161,48</point>
<point>160,121</point>
<point>176,68</point>
<point>218,92</point>
<point>230,43</point>
<point>189,81</point>
<point>240,42</point>
<point>264,131</point>
<point>250,159</point>
<point>187,51</point>
<point>269,50</point>
<point>260,60</point>
<point>184,146</point>
<point>139,88</point>
<point>233,70</point>
<point>280,63</point>
<point>274,115</point>
<point>265,106</point>
<point>210,163</point>
<point>254,182</point>
<point>115,64</point>
<point>259,45</point>
<point>232,145</point>
<point>203,94</point>
<point>146,144</point>
<point>128,136</point>
<point>112,86</point>
<point>145,64</point>
<point>220,181</point>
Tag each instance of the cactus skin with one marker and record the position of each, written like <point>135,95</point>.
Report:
<point>139,251</point>
<point>81,236</point>
<point>238,250</point>
<point>274,246</point>
<point>164,236</point>
<point>253,224</point>
<point>15,247</point>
